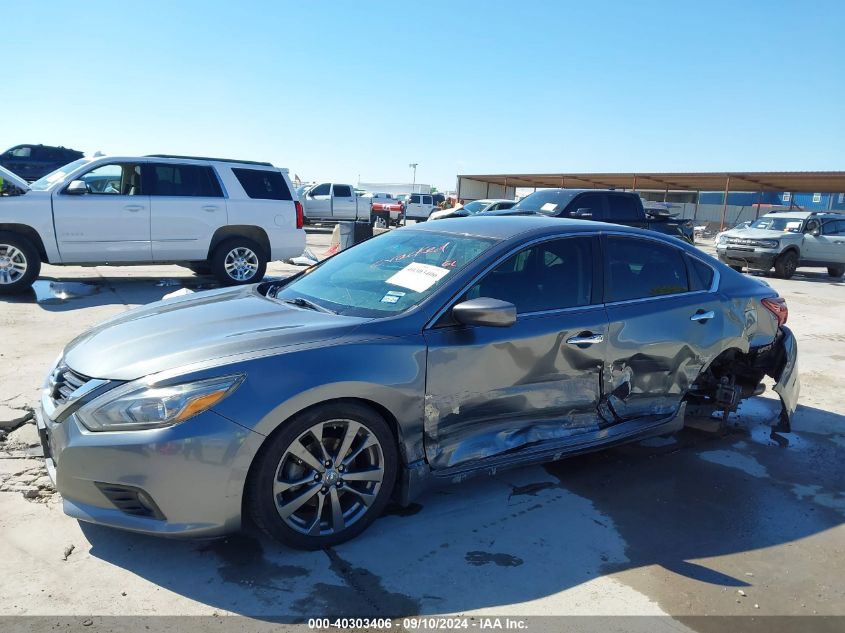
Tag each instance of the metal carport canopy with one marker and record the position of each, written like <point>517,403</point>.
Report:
<point>792,181</point>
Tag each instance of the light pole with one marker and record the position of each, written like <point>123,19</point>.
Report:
<point>413,186</point>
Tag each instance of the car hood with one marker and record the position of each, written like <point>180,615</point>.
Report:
<point>16,180</point>
<point>448,213</point>
<point>759,234</point>
<point>197,328</point>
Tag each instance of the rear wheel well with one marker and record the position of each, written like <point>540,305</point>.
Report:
<point>255,233</point>
<point>30,234</point>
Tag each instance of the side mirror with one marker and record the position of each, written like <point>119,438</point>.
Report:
<point>815,232</point>
<point>583,213</point>
<point>77,188</point>
<point>485,311</point>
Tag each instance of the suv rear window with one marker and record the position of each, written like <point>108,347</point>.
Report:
<point>263,184</point>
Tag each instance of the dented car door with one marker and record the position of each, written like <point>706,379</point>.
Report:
<point>495,390</point>
<point>666,323</point>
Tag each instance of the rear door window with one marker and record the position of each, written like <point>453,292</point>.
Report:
<point>264,184</point>
<point>622,208</point>
<point>640,269</point>
<point>196,181</point>
<point>342,191</point>
<point>592,203</point>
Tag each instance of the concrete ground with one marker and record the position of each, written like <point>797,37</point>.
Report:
<point>746,523</point>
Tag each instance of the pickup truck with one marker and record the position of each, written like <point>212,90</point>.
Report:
<point>331,202</point>
<point>212,215</point>
<point>617,207</point>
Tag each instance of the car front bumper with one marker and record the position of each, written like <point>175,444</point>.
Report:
<point>756,258</point>
<point>787,383</point>
<point>186,480</point>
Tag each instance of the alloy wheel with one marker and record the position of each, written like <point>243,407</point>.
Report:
<point>13,264</point>
<point>328,477</point>
<point>241,263</point>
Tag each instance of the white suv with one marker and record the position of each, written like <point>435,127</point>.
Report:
<point>223,216</point>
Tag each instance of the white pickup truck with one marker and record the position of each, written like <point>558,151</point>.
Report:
<point>331,202</point>
<point>223,216</point>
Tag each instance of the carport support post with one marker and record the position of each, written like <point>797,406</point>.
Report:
<point>634,186</point>
<point>759,198</point>
<point>725,205</point>
<point>695,211</point>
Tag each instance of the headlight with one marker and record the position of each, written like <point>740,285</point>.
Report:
<point>133,407</point>
<point>723,239</point>
<point>768,243</point>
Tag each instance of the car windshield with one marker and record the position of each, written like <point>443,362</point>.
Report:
<point>45,182</point>
<point>386,275</point>
<point>476,206</point>
<point>788,225</point>
<point>550,201</point>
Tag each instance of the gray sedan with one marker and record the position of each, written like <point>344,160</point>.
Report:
<point>429,353</point>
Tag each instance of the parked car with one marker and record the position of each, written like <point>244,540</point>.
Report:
<point>31,162</point>
<point>386,209</point>
<point>332,201</point>
<point>787,241</point>
<point>229,217</point>
<point>617,207</point>
<point>471,208</point>
<point>422,205</point>
<point>428,353</point>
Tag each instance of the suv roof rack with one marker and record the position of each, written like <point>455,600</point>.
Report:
<point>218,160</point>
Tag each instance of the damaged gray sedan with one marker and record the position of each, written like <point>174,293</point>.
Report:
<point>430,353</point>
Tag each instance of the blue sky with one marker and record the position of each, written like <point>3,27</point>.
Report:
<point>332,90</point>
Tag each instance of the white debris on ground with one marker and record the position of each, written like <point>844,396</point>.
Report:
<point>21,467</point>
<point>308,258</point>
<point>178,293</point>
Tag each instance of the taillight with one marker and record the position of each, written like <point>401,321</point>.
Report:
<point>777,306</point>
<point>300,216</point>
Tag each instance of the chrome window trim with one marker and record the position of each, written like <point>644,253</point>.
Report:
<point>515,250</point>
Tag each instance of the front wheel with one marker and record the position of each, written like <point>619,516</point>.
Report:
<point>786,265</point>
<point>238,261</point>
<point>20,263</point>
<point>836,271</point>
<point>324,476</point>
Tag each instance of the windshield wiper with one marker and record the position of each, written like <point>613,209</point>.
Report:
<point>305,303</point>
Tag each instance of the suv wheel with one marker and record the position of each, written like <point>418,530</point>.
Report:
<point>19,263</point>
<point>238,261</point>
<point>836,271</point>
<point>324,477</point>
<point>786,264</point>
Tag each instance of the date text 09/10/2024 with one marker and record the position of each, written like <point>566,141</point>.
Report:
<point>420,623</point>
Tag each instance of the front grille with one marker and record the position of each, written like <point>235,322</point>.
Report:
<point>63,382</point>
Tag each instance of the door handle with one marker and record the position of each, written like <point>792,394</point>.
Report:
<point>134,207</point>
<point>210,207</point>
<point>702,317</point>
<point>585,340</point>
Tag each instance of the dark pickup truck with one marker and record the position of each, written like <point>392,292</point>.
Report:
<point>618,207</point>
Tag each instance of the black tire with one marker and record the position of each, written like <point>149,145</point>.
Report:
<point>17,251</point>
<point>200,268</point>
<point>737,268</point>
<point>257,259</point>
<point>786,264</point>
<point>836,271</point>
<point>261,502</point>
